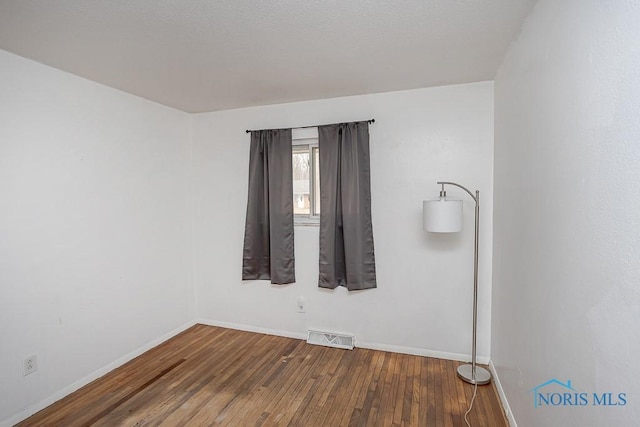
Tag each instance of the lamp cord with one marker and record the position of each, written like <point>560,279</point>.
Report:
<point>475,390</point>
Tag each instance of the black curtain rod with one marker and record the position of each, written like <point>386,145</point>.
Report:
<point>312,126</point>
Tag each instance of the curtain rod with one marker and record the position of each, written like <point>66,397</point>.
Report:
<point>311,126</point>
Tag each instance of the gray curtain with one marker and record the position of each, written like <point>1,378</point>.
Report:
<point>346,234</point>
<point>268,234</point>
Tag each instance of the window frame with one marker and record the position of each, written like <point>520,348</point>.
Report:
<point>308,137</point>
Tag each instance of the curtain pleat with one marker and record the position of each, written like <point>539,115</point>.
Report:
<point>268,238</point>
<point>346,233</point>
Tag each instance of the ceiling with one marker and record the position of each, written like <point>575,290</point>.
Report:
<point>208,55</point>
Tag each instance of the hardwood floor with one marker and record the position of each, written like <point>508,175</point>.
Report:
<point>214,376</point>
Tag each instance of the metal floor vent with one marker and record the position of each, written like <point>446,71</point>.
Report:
<point>331,339</point>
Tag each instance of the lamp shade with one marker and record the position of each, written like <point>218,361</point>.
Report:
<point>442,215</point>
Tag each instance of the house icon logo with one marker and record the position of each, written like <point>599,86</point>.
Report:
<point>539,398</point>
<point>555,393</point>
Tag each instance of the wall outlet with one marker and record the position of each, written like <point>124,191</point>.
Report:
<point>30,365</point>
<point>301,304</point>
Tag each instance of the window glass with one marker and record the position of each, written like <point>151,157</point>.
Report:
<point>306,176</point>
<point>316,180</point>
<point>301,180</point>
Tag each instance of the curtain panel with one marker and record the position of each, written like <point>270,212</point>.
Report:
<point>346,233</point>
<point>268,252</point>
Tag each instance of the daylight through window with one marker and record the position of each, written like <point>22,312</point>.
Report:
<point>306,179</point>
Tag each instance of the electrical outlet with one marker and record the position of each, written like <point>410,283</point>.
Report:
<point>301,304</point>
<point>30,365</point>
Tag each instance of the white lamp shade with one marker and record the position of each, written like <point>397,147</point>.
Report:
<point>442,215</point>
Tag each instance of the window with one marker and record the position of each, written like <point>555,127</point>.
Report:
<point>306,176</point>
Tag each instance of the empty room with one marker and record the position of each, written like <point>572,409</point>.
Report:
<point>319,213</point>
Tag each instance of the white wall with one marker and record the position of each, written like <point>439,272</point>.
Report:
<point>566,293</point>
<point>95,244</point>
<point>424,297</point>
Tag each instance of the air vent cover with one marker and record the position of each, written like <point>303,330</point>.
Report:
<point>331,339</point>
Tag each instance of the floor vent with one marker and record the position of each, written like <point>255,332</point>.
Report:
<point>331,339</point>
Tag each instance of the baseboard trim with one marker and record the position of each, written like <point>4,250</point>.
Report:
<point>29,411</point>
<point>370,345</point>
<point>422,352</point>
<point>502,396</point>
<point>250,328</point>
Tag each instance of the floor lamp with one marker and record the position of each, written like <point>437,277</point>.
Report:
<point>445,216</point>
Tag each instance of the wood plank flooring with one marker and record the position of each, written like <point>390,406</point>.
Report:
<point>215,376</point>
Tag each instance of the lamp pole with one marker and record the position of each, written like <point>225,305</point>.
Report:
<point>471,373</point>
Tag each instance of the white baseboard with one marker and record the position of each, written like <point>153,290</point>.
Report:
<point>249,328</point>
<point>503,397</point>
<point>373,346</point>
<point>422,352</point>
<point>92,377</point>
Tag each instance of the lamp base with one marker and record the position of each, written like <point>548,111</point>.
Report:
<point>482,377</point>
